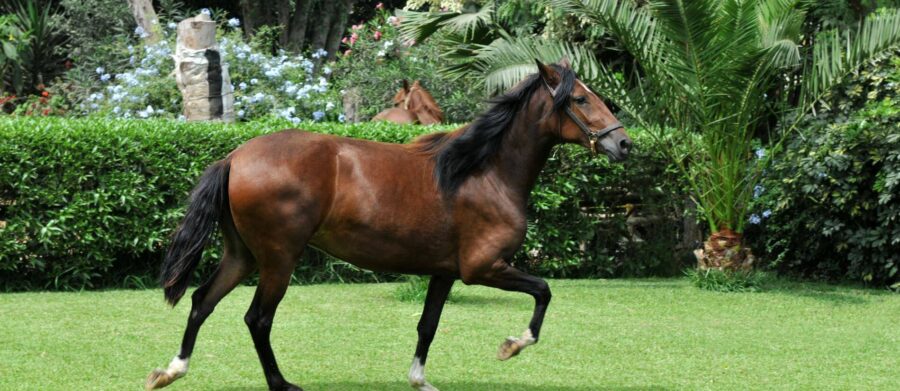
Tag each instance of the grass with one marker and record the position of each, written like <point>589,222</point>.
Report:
<point>598,335</point>
<point>728,281</point>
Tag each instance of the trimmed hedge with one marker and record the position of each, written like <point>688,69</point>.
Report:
<point>90,203</point>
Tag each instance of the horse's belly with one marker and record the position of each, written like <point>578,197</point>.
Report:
<point>424,251</point>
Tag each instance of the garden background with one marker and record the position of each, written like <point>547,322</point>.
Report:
<point>770,125</point>
<point>97,159</point>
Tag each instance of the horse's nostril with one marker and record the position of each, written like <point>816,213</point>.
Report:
<point>625,144</point>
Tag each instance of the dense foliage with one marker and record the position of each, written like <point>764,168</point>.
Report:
<point>378,60</point>
<point>829,208</point>
<point>91,202</point>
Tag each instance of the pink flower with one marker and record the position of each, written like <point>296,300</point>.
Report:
<point>347,52</point>
<point>379,6</point>
<point>353,38</point>
<point>357,26</point>
<point>344,40</point>
<point>377,35</point>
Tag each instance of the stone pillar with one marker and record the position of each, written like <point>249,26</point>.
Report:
<point>351,102</point>
<point>201,75</point>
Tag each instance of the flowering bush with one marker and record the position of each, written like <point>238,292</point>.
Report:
<point>282,84</point>
<point>376,59</point>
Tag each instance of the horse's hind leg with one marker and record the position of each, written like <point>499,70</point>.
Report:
<point>274,277</point>
<point>236,263</point>
<point>438,290</point>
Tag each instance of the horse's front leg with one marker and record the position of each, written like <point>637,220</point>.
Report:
<point>501,275</point>
<point>438,290</point>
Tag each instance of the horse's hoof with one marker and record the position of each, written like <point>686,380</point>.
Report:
<point>288,387</point>
<point>422,385</point>
<point>158,379</point>
<point>426,387</point>
<point>509,349</point>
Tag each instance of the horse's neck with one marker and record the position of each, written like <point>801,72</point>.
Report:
<point>523,154</point>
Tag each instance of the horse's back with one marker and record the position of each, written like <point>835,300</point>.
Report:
<point>395,115</point>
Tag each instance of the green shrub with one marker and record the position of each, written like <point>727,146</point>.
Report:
<point>36,28</point>
<point>91,202</point>
<point>728,281</point>
<point>833,199</point>
<point>374,68</point>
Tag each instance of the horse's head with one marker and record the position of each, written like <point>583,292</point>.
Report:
<point>420,102</point>
<point>584,118</point>
<point>399,99</point>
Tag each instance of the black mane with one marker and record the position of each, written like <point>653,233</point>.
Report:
<point>470,152</point>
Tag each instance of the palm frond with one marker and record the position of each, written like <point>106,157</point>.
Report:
<point>836,53</point>
<point>420,25</point>
<point>417,26</point>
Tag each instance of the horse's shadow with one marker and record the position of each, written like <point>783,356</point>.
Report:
<point>471,385</point>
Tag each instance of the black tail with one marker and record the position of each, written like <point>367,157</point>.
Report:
<point>208,200</point>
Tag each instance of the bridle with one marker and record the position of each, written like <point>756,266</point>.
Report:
<point>593,135</point>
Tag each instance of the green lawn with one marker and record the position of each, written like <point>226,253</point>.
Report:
<point>598,335</point>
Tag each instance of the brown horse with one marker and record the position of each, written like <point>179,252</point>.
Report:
<point>448,205</point>
<point>412,105</point>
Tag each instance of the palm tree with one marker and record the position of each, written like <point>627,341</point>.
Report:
<point>718,68</point>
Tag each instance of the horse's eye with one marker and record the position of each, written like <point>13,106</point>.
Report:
<point>580,100</point>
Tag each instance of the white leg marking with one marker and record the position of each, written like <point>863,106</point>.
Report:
<point>177,368</point>
<point>527,339</point>
<point>417,376</point>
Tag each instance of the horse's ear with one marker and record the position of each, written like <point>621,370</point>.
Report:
<point>550,76</point>
<point>405,85</point>
<point>417,84</point>
<point>564,62</point>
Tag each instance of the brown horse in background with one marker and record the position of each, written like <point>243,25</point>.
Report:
<point>449,205</point>
<point>412,105</point>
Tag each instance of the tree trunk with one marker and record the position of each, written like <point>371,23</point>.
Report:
<point>691,234</point>
<point>338,26</point>
<point>284,19</point>
<point>724,250</point>
<point>146,19</point>
<point>296,34</point>
<point>256,13</point>
<point>325,18</point>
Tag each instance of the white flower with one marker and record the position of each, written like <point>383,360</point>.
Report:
<point>234,22</point>
<point>240,113</point>
<point>254,81</point>
<point>100,70</point>
<point>140,32</point>
<point>172,25</point>
<point>388,44</point>
<point>206,12</point>
<point>105,77</point>
<point>329,106</point>
<point>243,86</point>
<point>273,73</point>
<point>380,53</point>
<point>326,70</point>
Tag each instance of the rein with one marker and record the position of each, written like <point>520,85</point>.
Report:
<point>593,135</point>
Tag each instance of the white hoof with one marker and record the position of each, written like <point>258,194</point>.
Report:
<point>417,377</point>
<point>512,346</point>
